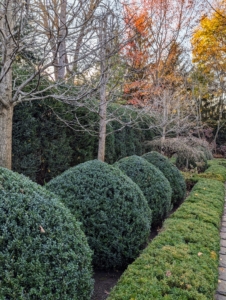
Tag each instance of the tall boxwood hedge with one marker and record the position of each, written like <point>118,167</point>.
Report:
<point>114,212</point>
<point>43,147</point>
<point>171,172</point>
<point>43,252</point>
<point>152,182</point>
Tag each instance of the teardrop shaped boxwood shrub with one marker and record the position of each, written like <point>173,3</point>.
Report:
<point>113,210</point>
<point>171,172</point>
<point>43,252</point>
<point>152,182</point>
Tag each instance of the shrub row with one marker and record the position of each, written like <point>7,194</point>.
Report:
<point>43,252</point>
<point>114,212</point>
<point>182,261</point>
<point>171,173</point>
<point>152,182</point>
<point>113,209</point>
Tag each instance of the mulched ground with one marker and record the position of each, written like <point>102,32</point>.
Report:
<point>106,280</point>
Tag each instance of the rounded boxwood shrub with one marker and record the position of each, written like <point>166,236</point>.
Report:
<point>43,252</point>
<point>171,172</point>
<point>113,210</point>
<point>152,182</point>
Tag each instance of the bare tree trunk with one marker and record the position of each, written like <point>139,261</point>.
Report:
<point>62,43</point>
<point>92,6</point>
<point>103,85</point>
<point>163,138</point>
<point>55,59</point>
<point>6,118</point>
<point>221,107</point>
<point>103,125</point>
<point>6,106</point>
<point>165,116</point>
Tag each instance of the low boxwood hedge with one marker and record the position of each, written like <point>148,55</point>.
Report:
<point>182,261</point>
<point>152,182</point>
<point>114,212</point>
<point>217,161</point>
<point>43,252</point>
<point>171,172</point>
<point>215,171</point>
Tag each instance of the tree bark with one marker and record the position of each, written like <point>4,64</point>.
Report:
<point>102,127</point>
<point>103,86</point>
<point>62,43</point>
<point>6,119</point>
<point>102,111</point>
<point>8,46</point>
<point>165,117</point>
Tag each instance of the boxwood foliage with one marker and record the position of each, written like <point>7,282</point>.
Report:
<point>216,170</point>
<point>114,212</point>
<point>171,172</point>
<point>43,147</point>
<point>152,182</point>
<point>182,261</point>
<point>43,252</point>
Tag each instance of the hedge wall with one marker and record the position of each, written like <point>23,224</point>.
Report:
<point>182,261</point>
<point>43,147</point>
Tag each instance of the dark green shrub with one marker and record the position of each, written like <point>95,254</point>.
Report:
<point>152,182</point>
<point>43,252</point>
<point>114,213</point>
<point>41,143</point>
<point>173,175</point>
<point>44,147</point>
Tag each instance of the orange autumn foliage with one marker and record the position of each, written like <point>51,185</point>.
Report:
<point>154,31</point>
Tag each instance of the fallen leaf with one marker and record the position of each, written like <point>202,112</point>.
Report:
<point>106,292</point>
<point>41,229</point>
<point>214,255</point>
<point>200,253</point>
<point>188,286</point>
<point>219,281</point>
